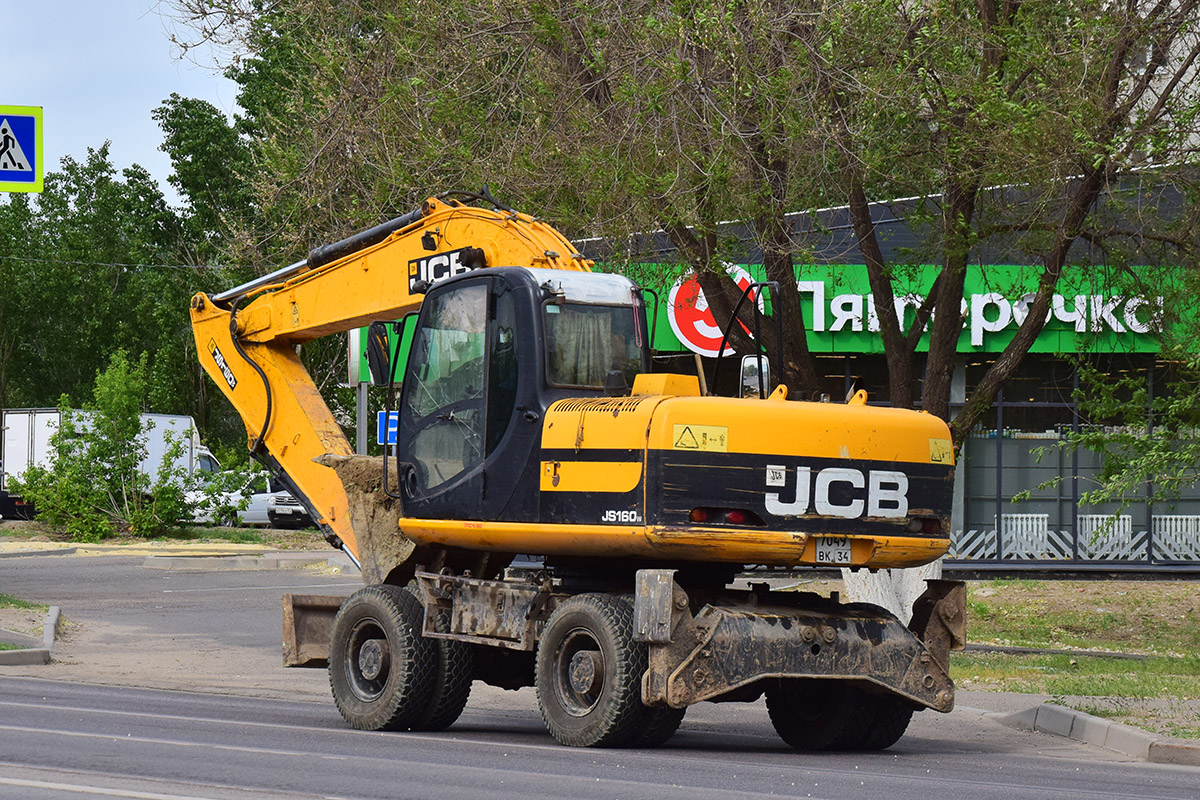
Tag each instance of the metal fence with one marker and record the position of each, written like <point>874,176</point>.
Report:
<point>1170,538</point>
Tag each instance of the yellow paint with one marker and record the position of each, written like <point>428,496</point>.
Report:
<point>590,476</point>
<point>707,438</point>
<point>736,546</point>
<point>798,429</point>
<point>598,423</point>
<point>666,384</point>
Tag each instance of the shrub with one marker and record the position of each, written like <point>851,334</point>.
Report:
<point>94,487</point>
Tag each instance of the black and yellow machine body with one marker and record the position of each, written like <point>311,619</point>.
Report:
<point>501,449</point>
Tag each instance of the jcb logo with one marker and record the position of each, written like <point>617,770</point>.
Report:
<point>840,492</point>
<point>222,364</point>
<point>432,269</point>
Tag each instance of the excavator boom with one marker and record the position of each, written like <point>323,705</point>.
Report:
<point>247,337</point>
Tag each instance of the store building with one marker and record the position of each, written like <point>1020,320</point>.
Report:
<point>1110,319</point>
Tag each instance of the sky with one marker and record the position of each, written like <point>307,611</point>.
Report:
<point>98,68</point>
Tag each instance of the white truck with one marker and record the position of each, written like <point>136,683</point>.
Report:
<point>26,443</point>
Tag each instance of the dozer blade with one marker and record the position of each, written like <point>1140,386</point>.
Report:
<point>307,626</point>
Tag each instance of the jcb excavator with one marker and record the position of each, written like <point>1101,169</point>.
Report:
<point>530,422</point>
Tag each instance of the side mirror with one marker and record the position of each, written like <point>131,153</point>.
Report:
<point>756,377</point>
<point>379,357</point>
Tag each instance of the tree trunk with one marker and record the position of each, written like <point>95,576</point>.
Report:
<point>893,589</point>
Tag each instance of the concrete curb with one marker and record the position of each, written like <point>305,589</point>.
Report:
<point>1082,727</point>
<point>63,551</point>
<point>35,655</point>
<point>265,561</point>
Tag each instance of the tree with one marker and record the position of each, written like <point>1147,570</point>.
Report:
<point>85,276</point>
<point>675,116</point>
<point>211,169</point>
<point>1017,124</point>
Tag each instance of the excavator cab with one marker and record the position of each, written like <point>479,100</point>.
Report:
<point>490,352</point>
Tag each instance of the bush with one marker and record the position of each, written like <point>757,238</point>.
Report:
<point>94,488</point>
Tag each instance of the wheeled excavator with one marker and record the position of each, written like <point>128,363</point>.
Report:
<point>530,425</point>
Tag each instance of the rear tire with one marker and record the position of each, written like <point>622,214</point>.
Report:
<point>453,674</point>
<point>589,673</point>
<point>809,714</point>
<point>815,714</point>
<point>879,722</point>
<point>381,670</point>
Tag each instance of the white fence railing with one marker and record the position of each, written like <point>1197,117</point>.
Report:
<point>1101,537</point>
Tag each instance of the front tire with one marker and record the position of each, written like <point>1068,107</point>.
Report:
<point>381,670</point>
<point>589,672</point>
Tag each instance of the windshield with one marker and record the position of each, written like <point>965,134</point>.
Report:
<point>586,342</point>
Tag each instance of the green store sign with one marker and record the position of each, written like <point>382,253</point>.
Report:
<point>1088,313</point>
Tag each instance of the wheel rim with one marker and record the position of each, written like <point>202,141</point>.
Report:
<point>368,659</point>
<point>579,672</point>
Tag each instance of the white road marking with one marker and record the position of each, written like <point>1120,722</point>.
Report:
<point>96,790</point>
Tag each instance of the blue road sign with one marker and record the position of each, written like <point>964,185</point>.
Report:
<point>386,425</point>
<point>20,149</point>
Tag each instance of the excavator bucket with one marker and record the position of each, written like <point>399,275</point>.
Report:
<point>307,626</point>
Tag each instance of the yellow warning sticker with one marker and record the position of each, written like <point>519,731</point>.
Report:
<point>941,451</point>
<point>711,438</point>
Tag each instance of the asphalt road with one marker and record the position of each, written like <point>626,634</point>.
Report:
<point>248,728</point>
<point>61,739</point>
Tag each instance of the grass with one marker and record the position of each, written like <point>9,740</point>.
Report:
<point>8,601</point>
<point>234,535</point>
<point>6,646</point>
<point>1158,619</point>
<point>268,537</point>
<point>1078,676</point>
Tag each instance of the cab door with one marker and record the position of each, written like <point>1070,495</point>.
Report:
<point>458,403</point>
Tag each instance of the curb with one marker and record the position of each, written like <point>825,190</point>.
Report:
<point>35,655</point>
<point>1069,723</point>
<point>64,551</point>
<point>268,561</point>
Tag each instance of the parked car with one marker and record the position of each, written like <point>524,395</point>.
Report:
<point>255,512</point>
<point>285,511</point>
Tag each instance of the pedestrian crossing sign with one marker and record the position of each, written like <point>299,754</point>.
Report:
<point>20,148</point>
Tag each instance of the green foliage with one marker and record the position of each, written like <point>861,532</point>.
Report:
<point>1079,675</point>
<point>94,487</point>
<point>662,115</point>
<point>220,498</point>
<point>8,601</point>
<point>212,168</point>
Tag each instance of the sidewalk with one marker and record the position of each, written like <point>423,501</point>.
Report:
<point>187,555</point>
<point>1031,712</point>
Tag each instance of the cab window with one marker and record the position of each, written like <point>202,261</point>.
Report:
<point>586,342</point>
<point>443,405</point>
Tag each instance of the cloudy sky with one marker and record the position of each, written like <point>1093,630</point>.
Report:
<point>98,68</point>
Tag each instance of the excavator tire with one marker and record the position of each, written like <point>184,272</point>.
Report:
<point>811,714</point>
<point>876,723</point>
<point>381,670</point>
<point>589,672</point>
<point>453,673</point>
<point>658,725</point>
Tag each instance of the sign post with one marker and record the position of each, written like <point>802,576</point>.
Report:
<point>20,149</point>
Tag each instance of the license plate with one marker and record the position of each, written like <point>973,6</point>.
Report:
<point>833,550</point>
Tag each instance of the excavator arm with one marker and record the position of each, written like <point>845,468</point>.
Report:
<point>247,338</point>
